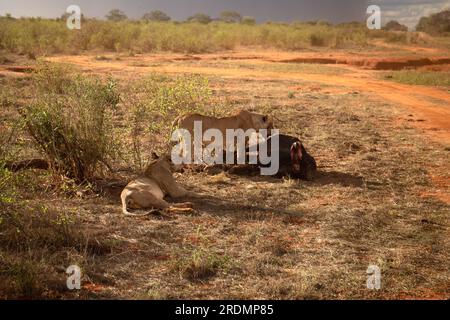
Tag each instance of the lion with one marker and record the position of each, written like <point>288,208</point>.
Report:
<point>243,119</point>
<point>149,190</point>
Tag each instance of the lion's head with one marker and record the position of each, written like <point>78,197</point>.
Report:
<point>252,120</point>
<point>159,166</point>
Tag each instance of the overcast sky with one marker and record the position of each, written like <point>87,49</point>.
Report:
<point>405,11</point>
<point>408,12</point>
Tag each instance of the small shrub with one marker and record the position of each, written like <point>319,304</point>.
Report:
<point>201,265</point>
<point>395,26</point>
<point>155,103</point>
<point>70,120</point>
<point>317,40</point>
<point>24,276</point>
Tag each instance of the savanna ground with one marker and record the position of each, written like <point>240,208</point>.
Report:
<point>380,137</point>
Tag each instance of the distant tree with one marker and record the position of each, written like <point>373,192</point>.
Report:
<point>65,15</point>
<point>230,16</point>
<point>7,16</point>
<point>156,15</point>
<point>317,23</point>
<point>395,26</point>
<point>248,20</point>
<point>436,24</point>
<point>116,15</point>
<point>200,17</point>
<point>323,23</point>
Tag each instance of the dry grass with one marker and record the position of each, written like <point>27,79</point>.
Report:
<point>252,237</point>
<point>420,77</point>
<point>45,36</point>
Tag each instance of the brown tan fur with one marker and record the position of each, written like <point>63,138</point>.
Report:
<point>241,120</point>
<point>149,190</point>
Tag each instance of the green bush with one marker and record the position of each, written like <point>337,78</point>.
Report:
<point>154,104</point>
<point>435,24</point>
<point>395,26</point>
<point>70,120</point>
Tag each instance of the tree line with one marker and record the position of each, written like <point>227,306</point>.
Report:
<point>161,16</point>
<point>435,24</point>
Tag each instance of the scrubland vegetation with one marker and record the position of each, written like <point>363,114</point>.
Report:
<point>155,32</point>
<point>40,36</point>
<point>427,78</point>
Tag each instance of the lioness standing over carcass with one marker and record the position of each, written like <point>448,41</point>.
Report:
<point>149,190</point>
<point>243,119</point>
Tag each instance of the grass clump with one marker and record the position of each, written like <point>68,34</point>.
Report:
<point>200,265</point>
<point>420,77</point>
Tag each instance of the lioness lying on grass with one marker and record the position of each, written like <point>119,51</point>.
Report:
<point>149,190</point>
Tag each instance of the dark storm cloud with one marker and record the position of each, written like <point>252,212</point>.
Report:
<point>262,10</point>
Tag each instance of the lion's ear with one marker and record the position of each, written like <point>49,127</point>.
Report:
<point>154,156</point>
